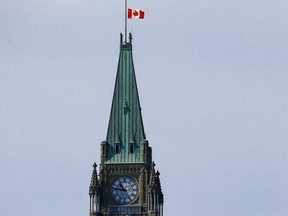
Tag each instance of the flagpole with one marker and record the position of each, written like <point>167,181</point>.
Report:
<point>125,21</point>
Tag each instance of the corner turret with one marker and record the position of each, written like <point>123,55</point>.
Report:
<point>94,192</point>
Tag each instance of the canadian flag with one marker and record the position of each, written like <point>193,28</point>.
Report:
<point>135,14</point>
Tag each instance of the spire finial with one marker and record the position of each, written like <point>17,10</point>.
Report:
<point>121,38</point>
<point>157,173</point>
<point>153,175</point>
<point>130,38</point>
<point>94,165</point>
<point>94,178</point>
<point>94,184</point>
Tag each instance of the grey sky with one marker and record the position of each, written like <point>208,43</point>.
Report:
<point>212,78</point>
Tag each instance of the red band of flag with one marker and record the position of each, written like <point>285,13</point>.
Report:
<point>135,14</point>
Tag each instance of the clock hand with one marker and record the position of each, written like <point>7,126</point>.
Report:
<point>121,189</point>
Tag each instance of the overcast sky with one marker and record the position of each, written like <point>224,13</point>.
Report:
<point>213,83</point>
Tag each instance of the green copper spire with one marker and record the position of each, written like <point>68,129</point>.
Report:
<point>125,131</point>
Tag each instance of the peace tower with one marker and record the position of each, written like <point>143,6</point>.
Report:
<point>127,183</point>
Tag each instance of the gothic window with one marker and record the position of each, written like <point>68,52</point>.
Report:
<point>131,148</point>
<point>103,150</point>
<point>117,148</point>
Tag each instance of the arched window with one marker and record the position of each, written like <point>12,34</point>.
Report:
<point>131,148</point>
<point>103,150</point>
<point>117,148</point>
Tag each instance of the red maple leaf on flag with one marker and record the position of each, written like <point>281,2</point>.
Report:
<point>135,13</point>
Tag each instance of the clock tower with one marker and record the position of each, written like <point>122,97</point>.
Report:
<point>127,182</point>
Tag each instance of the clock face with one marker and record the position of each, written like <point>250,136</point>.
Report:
<point>125,190</point>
